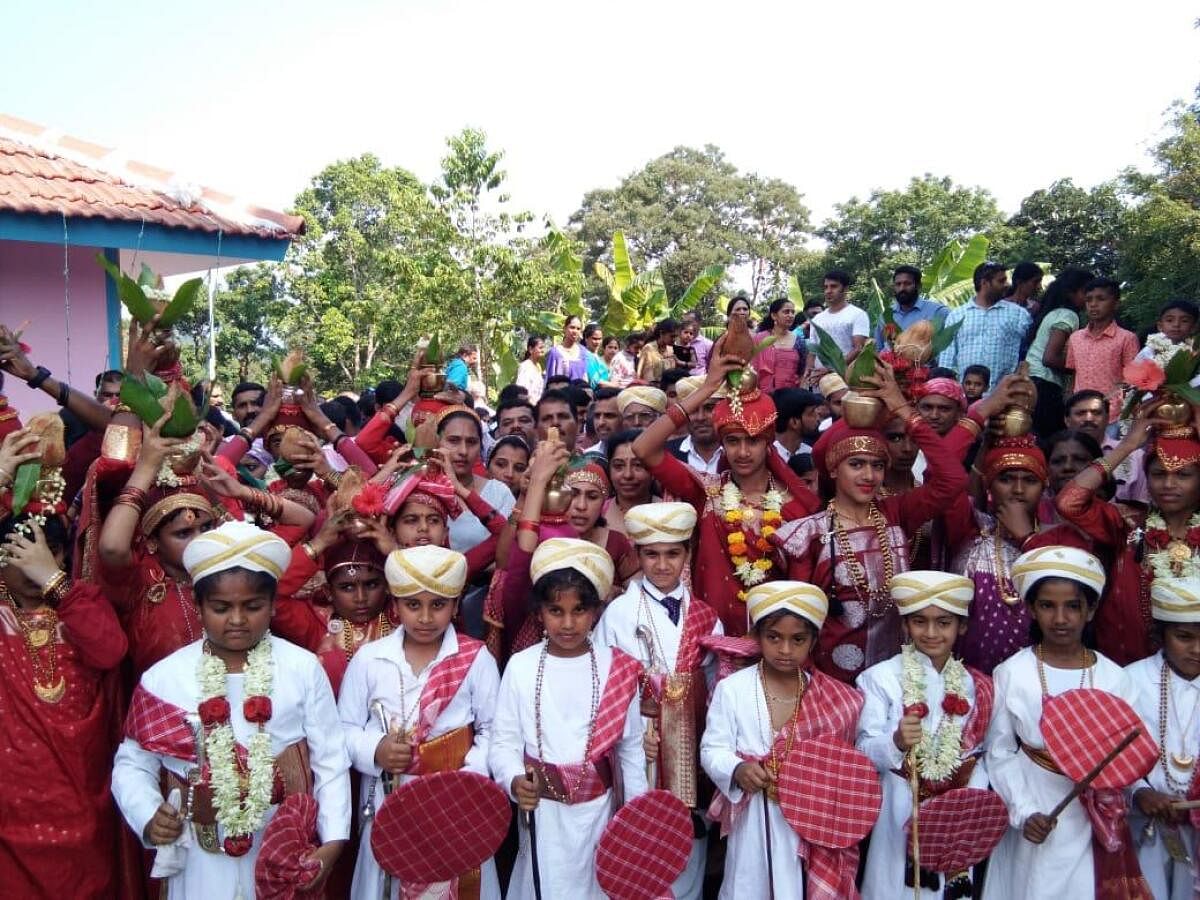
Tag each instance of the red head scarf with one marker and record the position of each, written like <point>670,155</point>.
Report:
<point>433,489</point>
<point>1176,448</point>
<point>752,412</point>
<point>1014,453</point>
<point>944,387</point>
<point>841,441</point>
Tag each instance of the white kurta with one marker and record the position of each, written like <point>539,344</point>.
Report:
<point>567,834</point>
<point>739,722</point>
<point>1061,866</point>
<point>1168,879</point>
<point>883,708</point>
<point>302,708</point>
<point>380,671</point>
<point>640,607</point>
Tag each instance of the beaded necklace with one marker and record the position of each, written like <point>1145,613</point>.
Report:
<point>349,635</point>
<point>1181,760</point>
<point>858,574</point>
<point>1086,677</point>
<point>537,723</point>
<point>39,632</point>
<point>774,762</point>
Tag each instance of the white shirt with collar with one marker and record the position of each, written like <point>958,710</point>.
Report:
<point>641,605</point>
<point>785,454</point>
<point>697,462</point>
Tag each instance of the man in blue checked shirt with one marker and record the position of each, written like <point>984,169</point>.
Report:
<point>908,306</point>
<point>992,329</point>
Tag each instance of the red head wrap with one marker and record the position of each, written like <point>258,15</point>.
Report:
<point>1176,448</point>
<point>944,387</point>
<point>587,471</point>
<point>1014,453</point>
<point>352,553</point>
<point>752,412</point>
<point>290,414</point>
<point>841,441</point>
<point>163,501</point>
<point>433,489</point>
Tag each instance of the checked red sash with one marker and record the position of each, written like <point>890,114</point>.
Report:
<point>444,681</point>
<point>160,727</point>
<point>698,622</point>
<point>624,676</point>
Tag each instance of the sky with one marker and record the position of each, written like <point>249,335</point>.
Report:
<point>837,98</point>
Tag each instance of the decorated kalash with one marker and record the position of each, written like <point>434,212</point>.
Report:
<point>233,745</point>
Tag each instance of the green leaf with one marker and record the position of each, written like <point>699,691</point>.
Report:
<point>762,345</point>
<point>1180,368</point>
<point>181,304</point>
<point>943,336</point>
<point>24,484</point>
<point>697,290</point>
<point>184,419</point>
<point>410,433</point>
<point>622,267</point>
<point>863,366</point>
<point>146,278</point>
<point>829,352</point>
<point>157,386</point>
<point>141,399</point>
<point>433,352</point>
<point>794,293</point>
<point>130,293</point>
<point>1187,392</point>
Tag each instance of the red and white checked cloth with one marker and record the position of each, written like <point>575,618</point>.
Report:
<point>829,792</point>
<point>644,847</point>
<point>1081,727</point>
<point>698,622</point>
<point>439,826</point>
<point>444,681</point>
<point>624,679</point>
<point>976,726</point>
<point>958,828</point>
<point>160,727</point>
<point>283,866</point>
<point>733,653</point>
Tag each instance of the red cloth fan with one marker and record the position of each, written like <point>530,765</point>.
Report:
<point>439,826</point>
<point>645,847</point>
<point>283,867</point>
<point>1081,727</point>
<point>959,828</point>
<point>829,793</point>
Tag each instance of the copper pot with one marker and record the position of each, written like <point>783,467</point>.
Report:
<point>1175,410</point>
<point>431,383</point>
<point>1016,421</point>
<point>860,411</point>
<point>557,500</point>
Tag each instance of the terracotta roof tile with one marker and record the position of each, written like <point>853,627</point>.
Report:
<point>38,181</point>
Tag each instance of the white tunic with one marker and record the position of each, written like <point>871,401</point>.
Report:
<point>302,708</point>
<point>380,672</point>
<point>1168,879</point>
<point>1061,866</point>
<point>883,708</point>
<point>739,722</point>
<point>567,834</point>
<point>641,607</point>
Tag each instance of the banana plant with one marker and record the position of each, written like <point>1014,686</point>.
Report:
<point>949,278</point>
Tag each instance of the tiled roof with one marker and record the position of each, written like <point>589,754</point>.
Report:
<point>44,174</point>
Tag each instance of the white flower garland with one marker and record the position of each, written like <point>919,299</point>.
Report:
<point>939,753</point>
<point>732,501</point>
<point>1163,349</point>
<point>1161,562</point>
<point>239,815</point>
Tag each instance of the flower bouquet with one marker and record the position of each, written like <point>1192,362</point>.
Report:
<point>1167,376</point>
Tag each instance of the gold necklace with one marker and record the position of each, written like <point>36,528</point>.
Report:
<point>855,568</point>
<point>1181,760</point>
<point>1008,592</point>
<point>351,637</point>
<point>773,761</point>
<point>39,631</point>
<point>1086,676</point>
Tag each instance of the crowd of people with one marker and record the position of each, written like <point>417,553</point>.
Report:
<point>656,571</point>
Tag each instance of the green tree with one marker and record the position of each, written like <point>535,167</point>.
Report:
<point>1066,225</point>
<point>365,279</point>
<point>1160,248</point>
<point>870,237</point>
<point>690,210</point>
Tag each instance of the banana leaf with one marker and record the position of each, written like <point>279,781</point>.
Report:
<point>181,304</point>
<point>794,293</point>
<point>863,366</point>
<point>141,397</point>
<point>130,292</point>
<point>433,352</point>
<point>943,337</point>
<point>24,484</point>
<point>1180,368</point>
<point>735,377</point>
<point>622,266</point>
<point>828,351</point>
<point>700,286</point>
<point>1187,392</point>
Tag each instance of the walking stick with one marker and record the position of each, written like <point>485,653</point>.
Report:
<point>766,805</point>
<point>914,781</point>
<point>388,783</point>
<point>1081,786</point>
<point>531,822</point>
<point>643,634</point>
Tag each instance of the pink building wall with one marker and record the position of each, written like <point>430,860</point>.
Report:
<point>32,287</point>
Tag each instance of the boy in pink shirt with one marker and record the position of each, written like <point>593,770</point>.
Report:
<point>1099,352</point>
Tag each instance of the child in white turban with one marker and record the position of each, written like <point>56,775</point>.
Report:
<point>236,684</point>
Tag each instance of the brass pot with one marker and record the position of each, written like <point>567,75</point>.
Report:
<point>1175,410</point>
<point>184,461</point>
<point>749,380</point>
<point>860,411</point>
<point>431,383</point>
<point>557,500</point>
<point>1017,421</point>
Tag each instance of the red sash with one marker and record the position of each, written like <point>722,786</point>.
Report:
<point>624,676</point>
<point>444,681</point>
<point>160,727</point>
<point>698,622</point>
<point>976,726</point>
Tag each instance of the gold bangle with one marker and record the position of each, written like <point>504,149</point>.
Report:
<point>309,550</point>
<point>53,585</point>
<point>1105,467</point>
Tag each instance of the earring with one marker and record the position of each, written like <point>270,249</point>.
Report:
<point>152,547</point>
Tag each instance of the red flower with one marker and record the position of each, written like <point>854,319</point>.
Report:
<point>369,500</point>
<point>1144,374</point>
<point>257,710</point>
<point>214,711</point>
<point>1157,538</point>
<point>238,846</point>
<point>954,705</point>
<point>920,710</point>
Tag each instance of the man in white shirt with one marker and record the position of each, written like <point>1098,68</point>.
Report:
<point>842,320</point>
<point>799,424</point>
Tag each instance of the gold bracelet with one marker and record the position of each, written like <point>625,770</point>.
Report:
<point>1105,467</point>
<point>309,550</point>
<point>53,586</point>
